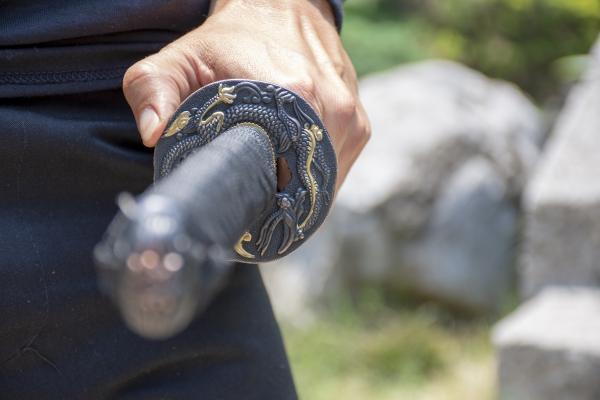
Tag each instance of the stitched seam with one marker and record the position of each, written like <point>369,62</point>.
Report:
<point>30,78</point>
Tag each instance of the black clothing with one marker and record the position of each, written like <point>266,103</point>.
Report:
<point>64,158</point>
<point>71,46</point>
<point>68,145</point>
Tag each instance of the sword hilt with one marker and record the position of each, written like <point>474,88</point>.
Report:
<point>216,198</point>
<point>164,257</point>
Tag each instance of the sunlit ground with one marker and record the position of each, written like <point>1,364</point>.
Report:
<point>384,353</point>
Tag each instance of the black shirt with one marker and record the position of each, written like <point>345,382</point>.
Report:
<point>71,46</point>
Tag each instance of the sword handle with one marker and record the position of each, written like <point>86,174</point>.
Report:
<point>224,186</point>
<point>163,258</point>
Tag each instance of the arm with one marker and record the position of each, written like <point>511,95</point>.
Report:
<point>293,43</point>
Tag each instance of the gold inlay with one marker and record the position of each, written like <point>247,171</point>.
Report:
<point>239,246</point>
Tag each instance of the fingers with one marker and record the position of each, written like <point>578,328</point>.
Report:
<point>342,111</point>
<point>306,57</point>
<point>334,97</point>
<point>350,131</point>
<point>344,117</point>
<point>357,137</point>
<point>156,85</point>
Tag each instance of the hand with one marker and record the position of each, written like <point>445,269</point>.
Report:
<point>292,43</point>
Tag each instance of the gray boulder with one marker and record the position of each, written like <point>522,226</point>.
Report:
<point>427,119</point>
<point>549,349</point>
<point>465,253</point>
<point>450,153</point>
<point>563,201</point>
<point>430,206</point>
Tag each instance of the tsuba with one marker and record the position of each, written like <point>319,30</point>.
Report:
<point>301,145</point>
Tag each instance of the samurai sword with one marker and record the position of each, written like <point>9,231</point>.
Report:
<point>244,172</point>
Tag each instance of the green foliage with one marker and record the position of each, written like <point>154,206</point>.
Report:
<point>363,348</point>
<point>517,40</point>
<point>411,352</point>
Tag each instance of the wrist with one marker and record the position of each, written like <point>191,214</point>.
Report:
<point>313,8</point>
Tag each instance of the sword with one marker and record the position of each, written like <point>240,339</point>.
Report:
<point>244,172</point>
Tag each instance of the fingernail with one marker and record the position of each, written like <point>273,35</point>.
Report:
<point>148,122</point>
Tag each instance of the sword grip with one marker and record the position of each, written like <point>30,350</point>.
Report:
<point>224,186</point>
<point>162,259</point>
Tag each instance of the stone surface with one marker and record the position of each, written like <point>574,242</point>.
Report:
<point>450,153</point>
<point>563,201</point>
<point>429,117</point>
<point>549,349</point>
<point>465,254</point>
<point>430,206</point>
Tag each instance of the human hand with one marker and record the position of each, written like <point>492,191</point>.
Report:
<point>292,43</point>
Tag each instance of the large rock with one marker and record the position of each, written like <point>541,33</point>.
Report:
<point>450,153</point>
<point>549,349</point>
<point>430,206</point>
<point>563,201</point>
<point>466,252</point>
<point>427,119</point>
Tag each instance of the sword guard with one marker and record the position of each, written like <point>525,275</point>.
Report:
<point>303,155</point>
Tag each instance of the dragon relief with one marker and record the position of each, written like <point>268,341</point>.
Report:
<point>294,135</point>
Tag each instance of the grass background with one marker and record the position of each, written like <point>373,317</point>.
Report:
<point>416,353</point>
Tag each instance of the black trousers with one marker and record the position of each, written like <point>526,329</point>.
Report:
<point>63,159</point>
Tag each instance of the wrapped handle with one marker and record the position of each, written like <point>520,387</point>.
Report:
<point>164,256</point>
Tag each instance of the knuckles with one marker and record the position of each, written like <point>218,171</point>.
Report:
<point>332,98</point>
<point>347,107</point>
<point>363,127</point>
<point>364,132</point>
<point>304,85</point>
<point>138,73</point>
<point>343,107</point>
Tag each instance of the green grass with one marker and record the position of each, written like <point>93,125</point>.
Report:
<point>384,353</point>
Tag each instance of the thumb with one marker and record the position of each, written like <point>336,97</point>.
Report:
<point>155,86</point>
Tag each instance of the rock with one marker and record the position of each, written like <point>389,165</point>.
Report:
<point>429,117</point>
<point>563,201</point>
<point>450,153</point>
<point>465,254</point>
<point>549,349</point>
<point>430,206</point>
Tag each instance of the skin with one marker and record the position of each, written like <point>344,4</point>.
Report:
<point>293,43</point>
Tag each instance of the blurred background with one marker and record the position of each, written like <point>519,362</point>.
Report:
<point>461,259</point>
